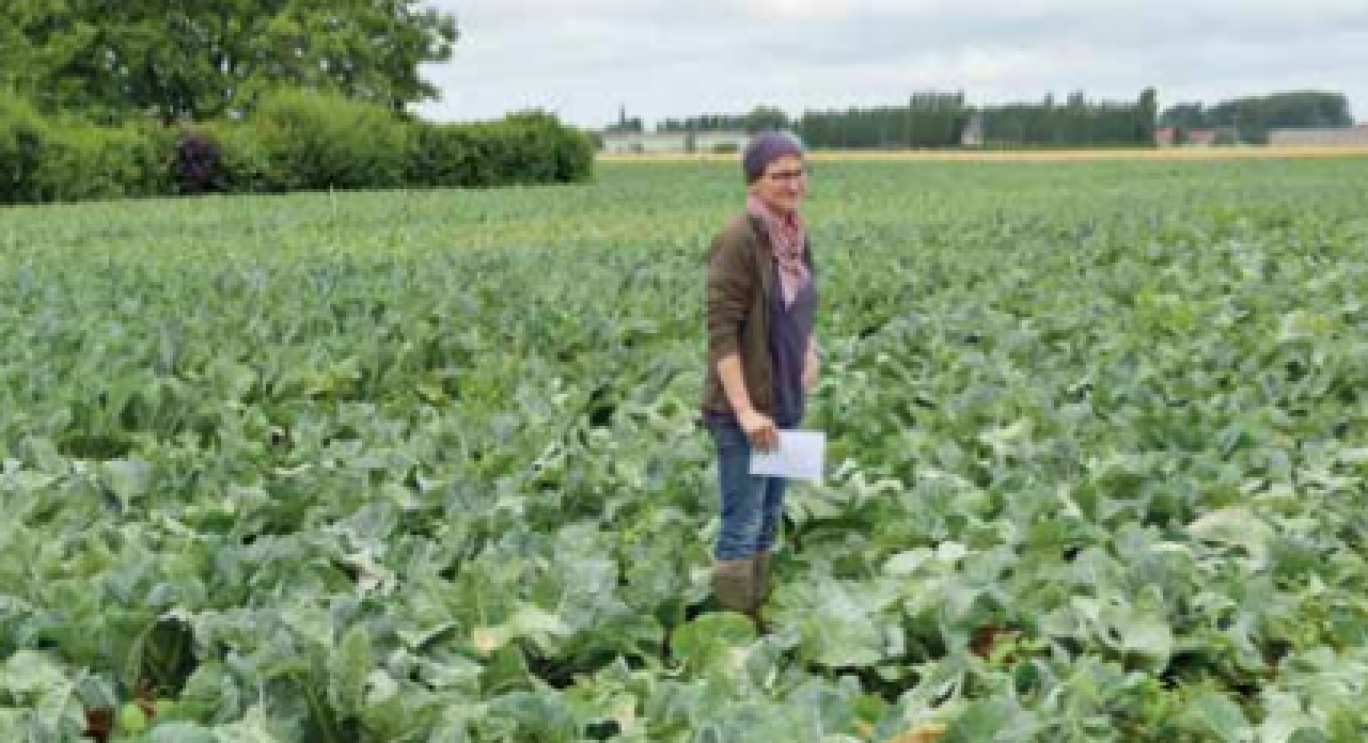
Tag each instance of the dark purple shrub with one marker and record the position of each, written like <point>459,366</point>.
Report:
<point>198,165</point>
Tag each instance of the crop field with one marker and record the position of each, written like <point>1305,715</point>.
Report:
<point>423,466</point>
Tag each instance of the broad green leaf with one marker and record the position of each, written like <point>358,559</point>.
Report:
<point>1235,526</point>
<point>182,732</point>
<point>128,478</point>
<point>1213,713</point>
<point>349,667</point>
<point>714,640</point>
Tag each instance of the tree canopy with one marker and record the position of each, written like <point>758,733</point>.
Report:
<point>1253,117</point>
<point>114,59</point>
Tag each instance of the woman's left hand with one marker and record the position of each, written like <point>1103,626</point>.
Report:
<point>810,370</point>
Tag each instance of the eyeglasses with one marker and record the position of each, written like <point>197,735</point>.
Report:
<point>786,175</point>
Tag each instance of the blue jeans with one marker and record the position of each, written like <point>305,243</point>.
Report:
<point>751,505</point>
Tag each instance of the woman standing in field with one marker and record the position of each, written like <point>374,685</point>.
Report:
<point>761,303</point>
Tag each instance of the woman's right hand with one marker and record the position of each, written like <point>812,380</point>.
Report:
<point>759,429</point>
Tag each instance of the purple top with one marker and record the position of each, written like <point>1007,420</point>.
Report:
<point>790,331</point>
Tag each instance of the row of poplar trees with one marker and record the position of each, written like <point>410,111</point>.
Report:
<point>940,119</point>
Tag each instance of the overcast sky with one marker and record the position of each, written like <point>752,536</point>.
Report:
<point>583,59</point>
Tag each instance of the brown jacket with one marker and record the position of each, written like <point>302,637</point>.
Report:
<point>740,280</point>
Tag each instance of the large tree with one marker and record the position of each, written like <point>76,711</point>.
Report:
<point>109,59</point>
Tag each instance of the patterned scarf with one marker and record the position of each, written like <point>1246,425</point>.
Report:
<point>788,235</point>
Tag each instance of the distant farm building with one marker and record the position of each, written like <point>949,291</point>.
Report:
<point>972,136</point>
<point>1201,137</point>
<point>1177,136</point>
<point>671,143</point>
<point>1336,137</point>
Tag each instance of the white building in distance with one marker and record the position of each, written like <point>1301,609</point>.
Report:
<point>1336,137</point>
<point>672,143</point>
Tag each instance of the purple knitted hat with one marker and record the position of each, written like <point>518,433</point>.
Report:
<point>763,149</point>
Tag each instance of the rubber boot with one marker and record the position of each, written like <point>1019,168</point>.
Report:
<point>762,590</point>
<point>734,584</point>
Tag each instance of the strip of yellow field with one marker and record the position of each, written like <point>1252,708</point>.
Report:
<point>1170,153</point>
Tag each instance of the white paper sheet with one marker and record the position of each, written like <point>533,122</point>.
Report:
<point>798,456</point>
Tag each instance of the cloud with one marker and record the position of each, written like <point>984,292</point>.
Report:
<point>668,59</point>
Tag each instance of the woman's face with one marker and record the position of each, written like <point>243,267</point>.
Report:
<point>783,184</point>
